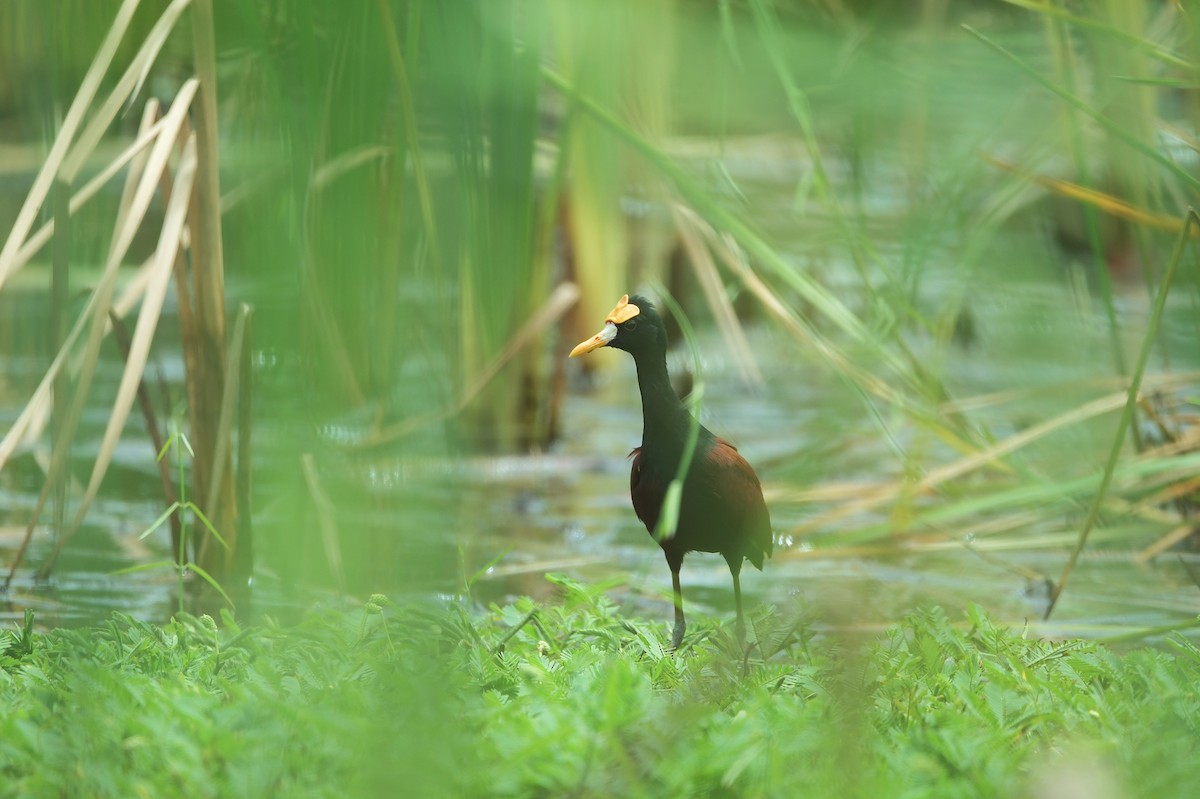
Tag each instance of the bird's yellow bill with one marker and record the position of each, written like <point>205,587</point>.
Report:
<point>597,341</point>
<point>624,311</point>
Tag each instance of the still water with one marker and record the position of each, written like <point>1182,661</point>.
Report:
<point>815,442</point>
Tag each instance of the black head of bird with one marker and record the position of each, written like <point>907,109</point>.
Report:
<point>634,326</point>
<point>721,507</point>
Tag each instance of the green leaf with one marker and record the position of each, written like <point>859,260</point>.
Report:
<point>141,567</point>
<point>208,578</point>
<point>159,521</point>
<point>207,524</point>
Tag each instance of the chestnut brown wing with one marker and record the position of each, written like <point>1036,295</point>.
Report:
<point>730,500</point>
<point>646,491</point>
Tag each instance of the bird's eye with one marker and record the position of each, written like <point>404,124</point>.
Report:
<point>630,326</point>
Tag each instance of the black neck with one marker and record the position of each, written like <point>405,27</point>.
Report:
<point>664,418</point>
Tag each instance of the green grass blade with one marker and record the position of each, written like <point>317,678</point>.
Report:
<point>208,578</point>
<point>142,567</point>
<point>159,521</point>
<point>1133,39</point>
<point>1113,128</point>
<point>207,524</point>
<point>1135,382</point>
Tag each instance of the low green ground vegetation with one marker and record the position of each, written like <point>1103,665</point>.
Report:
<point>573,699</point>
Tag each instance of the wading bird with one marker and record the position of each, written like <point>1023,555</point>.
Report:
<point>721,507</point>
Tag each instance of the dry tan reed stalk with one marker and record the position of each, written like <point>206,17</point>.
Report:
<point>62,142</point>
<point>989,456</point>
<point>101,118</point>
<point>1156,381</point>
<point>729,253</point>
<point>1178,535</point>
<point>147,158</point>
<point>143,334</point>
<point>691,228</point>
<point>129,156</point>
<point>206,386</point>
<point>97,323</point>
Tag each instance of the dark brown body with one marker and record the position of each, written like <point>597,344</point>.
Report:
<point>721,510</point>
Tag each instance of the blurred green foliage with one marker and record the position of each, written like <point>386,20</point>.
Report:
<point>572,698</point>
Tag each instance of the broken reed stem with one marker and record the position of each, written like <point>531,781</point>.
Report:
<point>59,291</point>
<point>243,555</point>
<point>223,433</point>
<point>206,385</point>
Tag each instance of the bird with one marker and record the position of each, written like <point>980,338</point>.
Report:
<point>721,505</point>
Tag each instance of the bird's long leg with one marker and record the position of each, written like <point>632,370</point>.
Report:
<point>737,601</point>
<point>735,568</point>
<point>680,624</point>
